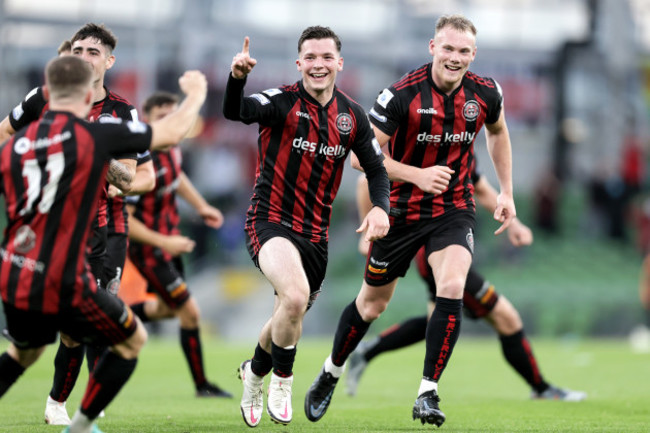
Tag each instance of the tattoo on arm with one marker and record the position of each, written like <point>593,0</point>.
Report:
<point>119,175</point>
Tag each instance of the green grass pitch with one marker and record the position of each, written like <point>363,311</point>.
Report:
<point>480,393</point>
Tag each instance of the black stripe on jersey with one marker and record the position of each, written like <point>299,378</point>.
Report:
<point>294,164</point>
<point>54,215</point>
<point>342,106</point>
<point>316,168</point>
<point>270,156</point>
<point>20,197</point>
<point>426,124</point>
<point>443,150</point>
<point>470,127</point>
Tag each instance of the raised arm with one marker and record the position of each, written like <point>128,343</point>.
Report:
<point>171,129</point>
<point>242,65</point>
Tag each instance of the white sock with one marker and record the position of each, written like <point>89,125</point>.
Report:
<point>80,423</point>
<point>427,385</point>
<point>334,370</point>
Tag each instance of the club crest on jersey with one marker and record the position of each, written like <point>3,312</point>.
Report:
<point>24,240</point>
<point>344,123</point>
<point>470,240</point>
<point>471,110</point>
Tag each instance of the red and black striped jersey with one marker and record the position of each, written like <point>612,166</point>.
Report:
<point>157,209</point>
<point>302,148</point>
<point>111,210</point>
<point>427,128</point>
<point>30,109</point>
<point>51,175</point>
<point>113,105</point>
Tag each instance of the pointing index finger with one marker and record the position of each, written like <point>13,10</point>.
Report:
<point>246,45</point>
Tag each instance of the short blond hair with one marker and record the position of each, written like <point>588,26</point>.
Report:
<point>456,21</point>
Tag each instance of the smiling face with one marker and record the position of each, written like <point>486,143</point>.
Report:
<point>97,55</point>
<point>453,51</point>
<point>319,61</point>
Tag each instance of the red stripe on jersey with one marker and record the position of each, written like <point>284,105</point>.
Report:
<point>412,78</point>
<point>82,170</point>
<point>281,162</point>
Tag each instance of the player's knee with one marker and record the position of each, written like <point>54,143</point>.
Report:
<point>189,314</point>
<point>294,302</point>
<point>371,310</point>
<point>505,317</point>
<point>130,348</point>
<point>68,341</point>
<point>451,288</point>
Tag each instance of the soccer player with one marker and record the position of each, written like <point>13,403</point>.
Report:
<point>306,131</point>
<point>94,44</point>
<point>429,120</point>
<point>156,245</point>
<point>52,174</point>
<point>480,300</point>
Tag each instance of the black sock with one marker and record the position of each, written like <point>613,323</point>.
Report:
<point>397,336</point>
<point>93,353</point>
<point>282,360</point>
<point>191,343</point>
<point>109,376</point>
<point>517,351</point>
<point>67,364</point>
<point>262,361</point>
<point>442,333</point>
<point>350,331</point>
<point>10,371</point>
<point>138,310</point>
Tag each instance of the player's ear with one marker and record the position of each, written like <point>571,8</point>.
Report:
<point>46,92</point>
<point>298,64</point>
<point>90,97</point>
<point>340,63</point>
<point>110,61</point>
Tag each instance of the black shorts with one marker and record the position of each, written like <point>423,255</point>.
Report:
<point>116,245</point>
<point>313,255</point>
<point>479,296</point>
<point>166,278</point>
<point>100,318</point>
<point>390,257</point>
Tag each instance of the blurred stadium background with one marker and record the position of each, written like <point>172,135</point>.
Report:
<point>576,79</point>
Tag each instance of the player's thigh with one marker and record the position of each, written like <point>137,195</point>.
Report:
<point>281,263</point>
<point>100,318</point>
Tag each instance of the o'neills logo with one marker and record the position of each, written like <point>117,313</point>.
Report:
<point>427,111</point>
<point>320,149</point>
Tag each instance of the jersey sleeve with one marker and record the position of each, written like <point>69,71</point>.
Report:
<point>119,137</point>
<point>386,113</point>
<point>257,108</point>
<point>495,103</point>
<point>367,150</point>
<point>144,157</point>
<point>29,110</point>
